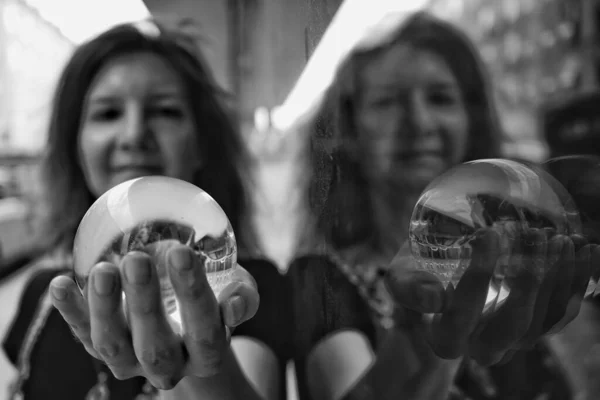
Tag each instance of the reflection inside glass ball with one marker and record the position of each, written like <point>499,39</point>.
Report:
<point>150,215</point>
<point>501,194</point>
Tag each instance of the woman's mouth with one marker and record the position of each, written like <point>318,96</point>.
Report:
<point>422,159</point>
<point>137,170</point>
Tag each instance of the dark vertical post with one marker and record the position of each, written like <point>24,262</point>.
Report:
<point>320,14</point>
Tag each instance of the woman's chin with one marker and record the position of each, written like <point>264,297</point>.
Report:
<point>132,173</point>
<point>414,181</point>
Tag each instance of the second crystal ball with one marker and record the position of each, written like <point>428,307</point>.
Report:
<point>505,195</point>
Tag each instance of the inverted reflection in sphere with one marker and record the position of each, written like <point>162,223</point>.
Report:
<point>150,215</point>
<point>501,194</point>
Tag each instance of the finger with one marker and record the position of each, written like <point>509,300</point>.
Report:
<point>580,266</point>
<point>69,301</point>
<point>450,333</point>
<point>481,378</point>
<point>109,332</point>
<point>595,263</point>
<point>156,346</point>
<point>203,330</point>
<point>579,241</point>
<point>413,288</point>
<point>593,286</point>
<point>549,283</point>
<point>416,290</point>
<point>550,233</point>
<point>571,312</point>
<point>560,296</point>
<point>239,300</point>
<point>582,270</point>
<point>509,323</point>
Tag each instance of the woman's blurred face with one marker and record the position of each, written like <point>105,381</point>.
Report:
<point>411,117</point>
<point>136,122</point>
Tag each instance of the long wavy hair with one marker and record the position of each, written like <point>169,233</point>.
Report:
<point>67,195</point>
<point>339,191</point>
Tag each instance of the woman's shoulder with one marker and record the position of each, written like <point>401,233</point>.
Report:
<point>34,270</point>
<point>21,294</point>
<point>36,332</point>
<point>29,278</point>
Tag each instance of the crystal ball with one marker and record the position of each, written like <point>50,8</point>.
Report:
<point>150,214</point>
<point>505,195</point>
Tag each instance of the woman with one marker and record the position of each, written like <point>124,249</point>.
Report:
<point>402,111</point>
<point>307,311</point>
<point>136,100</point>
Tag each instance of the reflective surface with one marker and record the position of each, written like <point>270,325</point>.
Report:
<point>151,214</point>
<point>501,194</point>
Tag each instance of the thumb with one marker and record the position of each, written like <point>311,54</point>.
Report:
<point>413,288</point>
<point>239,300</point>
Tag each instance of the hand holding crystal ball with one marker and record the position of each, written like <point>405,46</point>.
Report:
<point>491,262</point>
<point>507,196</point>
<point>150,214</point>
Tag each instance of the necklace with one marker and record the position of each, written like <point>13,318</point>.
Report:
<point>369,280</point>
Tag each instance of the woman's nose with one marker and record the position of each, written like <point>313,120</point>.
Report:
<point>136,133</point>
<point>419,116</point>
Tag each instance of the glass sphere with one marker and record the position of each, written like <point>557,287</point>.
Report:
<point>150,214</point>
<point>495,193</point>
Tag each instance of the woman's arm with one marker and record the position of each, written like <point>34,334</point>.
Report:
<point>343,366</point>
<point>406,368</point>
<point>248,373</point>
<point>405,365</point>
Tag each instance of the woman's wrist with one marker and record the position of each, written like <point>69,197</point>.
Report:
<point>229,384</point>
<point>405,367</point>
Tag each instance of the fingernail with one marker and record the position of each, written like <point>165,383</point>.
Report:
<point>181,259</point>
<point>138,272</point>
<point>235,309</point>
<point>59,292</point>
<point>104,282</point>
<point>109,351</point>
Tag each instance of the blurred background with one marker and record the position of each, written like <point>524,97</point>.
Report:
<point>542,54</point>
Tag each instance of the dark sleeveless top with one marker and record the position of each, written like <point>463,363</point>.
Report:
<point>312,300</point>
<point>315,299</point>
<point>296,310</point>
<point>60,367</point>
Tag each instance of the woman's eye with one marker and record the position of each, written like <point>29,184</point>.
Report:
<point>106,114</point>
<point>383,102</point>
<point>173,112</point>
<point>442,98</point>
